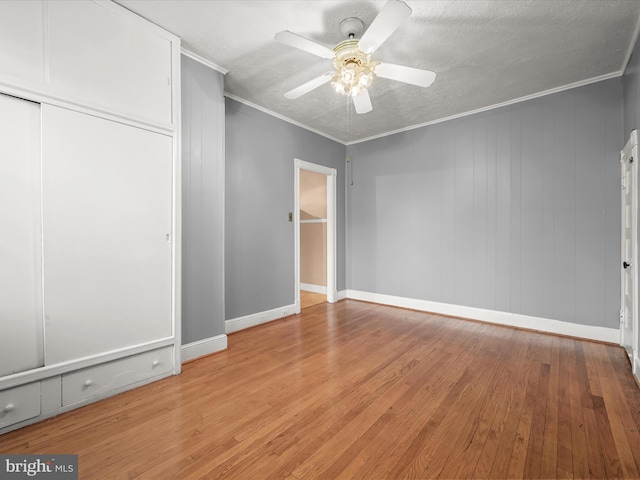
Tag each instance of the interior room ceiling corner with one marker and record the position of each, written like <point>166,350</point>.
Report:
<point>484,53</point>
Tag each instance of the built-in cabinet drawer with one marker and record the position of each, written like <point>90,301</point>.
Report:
<point>19,403</point>
<point>101,379</point>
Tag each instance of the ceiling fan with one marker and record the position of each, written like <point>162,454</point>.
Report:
<point>354,67</point>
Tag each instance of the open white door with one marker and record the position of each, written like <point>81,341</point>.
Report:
<point>629,250</point>
<point>331,228</point>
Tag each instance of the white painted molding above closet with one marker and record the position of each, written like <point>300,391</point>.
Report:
<point>131,76</point>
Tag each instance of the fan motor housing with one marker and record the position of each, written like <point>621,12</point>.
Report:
<point>351,27</point>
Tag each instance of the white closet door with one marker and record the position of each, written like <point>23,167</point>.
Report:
<point>20,237</point>
<point>107,218</point>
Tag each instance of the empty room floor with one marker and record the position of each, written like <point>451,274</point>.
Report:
<point>310,299</point>
<point>356,390</point>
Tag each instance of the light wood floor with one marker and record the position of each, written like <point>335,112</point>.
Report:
<point>309,299</point>
<point>354,390</point>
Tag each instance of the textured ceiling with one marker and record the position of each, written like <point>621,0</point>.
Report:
<point>484,52</point>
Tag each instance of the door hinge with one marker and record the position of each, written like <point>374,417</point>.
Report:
<point>621,317</point>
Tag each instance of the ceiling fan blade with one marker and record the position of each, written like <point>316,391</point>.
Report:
<point>401,73</point>
<point>388,20</point>
<point>310,85</point>
<point>295,40</point>
<point>362,102</point>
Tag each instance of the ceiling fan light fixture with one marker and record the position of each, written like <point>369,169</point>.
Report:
<point>351,80</point>
<point>354,69</point>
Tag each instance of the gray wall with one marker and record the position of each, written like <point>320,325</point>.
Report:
<point>515,210</point>
<point>202,202</point>
<point>259,239</point>
<point>631,89</point>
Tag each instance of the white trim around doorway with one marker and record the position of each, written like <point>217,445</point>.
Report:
<point>331,174</point>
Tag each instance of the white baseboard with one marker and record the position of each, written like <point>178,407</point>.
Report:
<point>341,295</point>
<point>309,287</point>
<point>603,334</point>
<point>254,319</point>
<point>203,347</point>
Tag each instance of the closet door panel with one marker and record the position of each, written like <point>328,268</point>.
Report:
<point>21,239</point>
<point>22,41</point>
<point>120,64</point>
<point>107,191</point>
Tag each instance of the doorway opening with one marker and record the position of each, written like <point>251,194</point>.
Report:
<point>315,234</point>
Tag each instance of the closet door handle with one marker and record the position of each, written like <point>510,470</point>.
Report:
<point>88,383</point>
<point>9,408</point>
<point>625,265</point>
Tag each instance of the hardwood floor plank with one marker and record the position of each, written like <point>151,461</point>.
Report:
<point>469,459</point>
<point>356,412</point>
<point>494,439</point>
<point>564,456</point>
<point>524,431</point>
<point>533,459</point>
<point>515,404</point>
<point>353,459</point>
<point>463,461</point>
<point>593,439</point>
<point>610,411</point>
<point>310,299</point>
<point>610,451</point>
<point>354,390</point>
<point>317,422</point>
<point>548,464</point>
<point>629,409</point>
<point>578,434</point>
<point>432,447</point>
<point>419,410</point>
<point>467,447</point>
<point>450,446</point>
<point>388,455</point>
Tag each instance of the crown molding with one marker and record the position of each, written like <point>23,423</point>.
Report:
<point>634,40</point>
<point>533,96</point>
<point>282,117</point>
<point>544,93</point>
<point>204,61</point>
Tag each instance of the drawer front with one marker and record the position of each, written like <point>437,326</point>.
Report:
<point>100,379</point>
<point>19,404</point>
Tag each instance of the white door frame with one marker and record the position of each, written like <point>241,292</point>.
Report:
<point>331,174</point>
<point>630,151</point>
